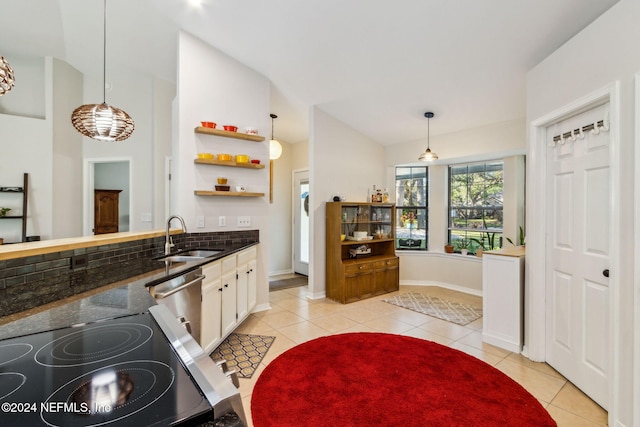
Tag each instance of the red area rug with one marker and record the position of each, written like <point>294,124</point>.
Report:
<point>375,379</point>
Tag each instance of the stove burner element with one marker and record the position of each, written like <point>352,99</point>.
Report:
<point>12,352</point>
<point>110,394</point>
<point>93,345</point>
<point>10,382</point>
<point>104,392</point>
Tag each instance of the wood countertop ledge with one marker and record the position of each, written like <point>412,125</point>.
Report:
<point>515,251</point>
<point>20,250</point>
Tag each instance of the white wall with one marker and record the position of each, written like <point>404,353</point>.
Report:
<point>214,87</point>
<point>64,94</point>
<point>498,141</point>
<point>343,161</point>
<point>604,53</point>
<point>26,145</point>
<point>133,94</point>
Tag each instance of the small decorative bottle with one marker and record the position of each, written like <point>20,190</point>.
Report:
<point>385,196</point>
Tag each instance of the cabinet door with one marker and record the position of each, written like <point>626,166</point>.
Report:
<point>386,276</point>
<point>228,302</point>
<point>358,281</point>
<point>242,291</point>
<point>252,290</point>
<point>211,300</point>
<point>106,211</point>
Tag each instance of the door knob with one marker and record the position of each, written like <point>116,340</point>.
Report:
<point>605,272</point>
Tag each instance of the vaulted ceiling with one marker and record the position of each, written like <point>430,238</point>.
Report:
<point>375,65</point>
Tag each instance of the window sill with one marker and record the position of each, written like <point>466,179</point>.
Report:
<point>460,257</point>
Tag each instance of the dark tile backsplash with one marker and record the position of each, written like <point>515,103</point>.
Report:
<point>36,280</point>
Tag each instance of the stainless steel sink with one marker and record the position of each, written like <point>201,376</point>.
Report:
<point>190,255</point>
<point>199,253</point>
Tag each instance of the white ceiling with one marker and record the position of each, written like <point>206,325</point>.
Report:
<point>373,64</point>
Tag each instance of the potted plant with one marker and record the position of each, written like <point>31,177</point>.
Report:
<point>448,248</point>
<point>3,211</point>
<point>463,245</point>
<point>520,238</point>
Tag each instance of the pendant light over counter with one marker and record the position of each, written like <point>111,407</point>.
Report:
<point>428,155</point>
<point>103,122</point>
<point>7,80</point>
<point>275,148</point>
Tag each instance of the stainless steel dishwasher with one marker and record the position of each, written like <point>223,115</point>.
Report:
<point>182,296</point>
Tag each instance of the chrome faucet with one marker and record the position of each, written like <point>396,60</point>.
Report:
<point>168,243</point>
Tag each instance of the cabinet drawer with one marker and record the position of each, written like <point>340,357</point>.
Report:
<point>247,255</point>
<point>363,267</point>
<point>386,263</point>
<point>228,264</point>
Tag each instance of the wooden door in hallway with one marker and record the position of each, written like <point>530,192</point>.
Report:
<point>578,249</point>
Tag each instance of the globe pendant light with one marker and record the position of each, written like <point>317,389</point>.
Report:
<point>7,80</point>
<point>275,148</point>
<point>428,155</point>
<point>103,122</point>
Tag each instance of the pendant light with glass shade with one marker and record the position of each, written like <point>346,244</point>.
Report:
<point>7,79</point>
<point>428,155</point>
<point>103,122</point>
<point>275,148</point>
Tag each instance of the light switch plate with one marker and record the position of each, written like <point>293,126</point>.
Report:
<point>222,221</point>
<point>244,221</point>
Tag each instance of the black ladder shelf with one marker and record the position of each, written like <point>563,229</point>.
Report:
<point>25,192</point>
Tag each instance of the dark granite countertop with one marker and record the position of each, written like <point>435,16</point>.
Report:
<point>122,298</point>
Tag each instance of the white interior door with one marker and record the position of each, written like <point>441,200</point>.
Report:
<point>301,222</point>
<point>578,251</point>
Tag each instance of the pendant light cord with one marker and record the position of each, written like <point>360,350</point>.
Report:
<point>104,53</point>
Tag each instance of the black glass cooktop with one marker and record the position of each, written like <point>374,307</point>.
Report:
<point>116,372</point>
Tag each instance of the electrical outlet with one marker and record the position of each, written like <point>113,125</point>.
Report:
<point>222,221</point>
<point>145,217</point>
<point>244,221</point>
<point>200,222</point>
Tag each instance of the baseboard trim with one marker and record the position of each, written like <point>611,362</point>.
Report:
<point>450,286</point>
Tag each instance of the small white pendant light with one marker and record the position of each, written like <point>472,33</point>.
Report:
<point>275,148</point>
<point>103,122</point>
<point>7,80</point>
<point>428,155</point>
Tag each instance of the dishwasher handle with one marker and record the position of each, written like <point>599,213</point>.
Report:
<point>161,295</point>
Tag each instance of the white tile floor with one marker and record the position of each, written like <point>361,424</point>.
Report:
<point>294,319</point>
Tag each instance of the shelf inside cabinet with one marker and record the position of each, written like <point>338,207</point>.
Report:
<point>364,242</point>
<point>228,134</point>
<point>227,193</point>
<point>228,163</point>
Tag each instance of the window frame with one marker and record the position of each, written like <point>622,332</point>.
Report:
<point>489,242</point>
<point>411,242</point>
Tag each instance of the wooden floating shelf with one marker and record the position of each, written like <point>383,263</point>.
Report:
<point>227,193</point>
<point>227,134</point>
<point>228,163</point>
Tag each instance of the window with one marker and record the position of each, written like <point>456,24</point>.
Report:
<point>412,195</point>
<point>475,205</point>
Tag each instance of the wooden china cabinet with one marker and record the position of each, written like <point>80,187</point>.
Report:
<point>360,250</point>
<point>106,211</point>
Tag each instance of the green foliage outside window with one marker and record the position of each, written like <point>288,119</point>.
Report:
<point>475,204</point>
<point>412,195</point>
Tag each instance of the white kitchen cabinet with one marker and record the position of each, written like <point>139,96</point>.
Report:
<point>210,321</point>
<point>252,290</point>
<point>228,295</point>
<point>246,281</point>
<point>502,298</point>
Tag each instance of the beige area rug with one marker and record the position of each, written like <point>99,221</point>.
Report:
<point>461,314</point>
<point>243,352</point>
